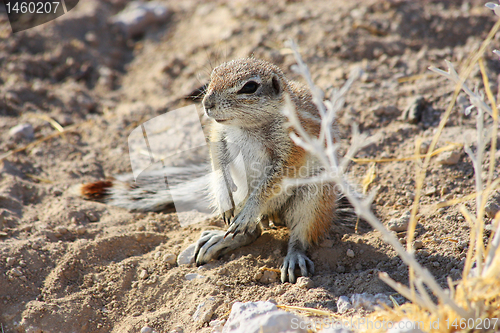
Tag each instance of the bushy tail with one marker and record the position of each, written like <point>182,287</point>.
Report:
<point>154,190</point>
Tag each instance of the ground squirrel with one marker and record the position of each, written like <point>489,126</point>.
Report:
<point>244,101</point>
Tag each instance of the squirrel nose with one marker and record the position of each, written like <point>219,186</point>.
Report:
<point>208,103</point>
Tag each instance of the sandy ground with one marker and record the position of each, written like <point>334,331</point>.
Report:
<point>69,265</point>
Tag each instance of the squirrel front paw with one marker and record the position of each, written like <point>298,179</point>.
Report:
<point>244,222</point>
<point>228,215</point>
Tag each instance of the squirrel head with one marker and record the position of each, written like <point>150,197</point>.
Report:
<point>245,93</point>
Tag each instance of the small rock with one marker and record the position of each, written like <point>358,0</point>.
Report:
<point>400,224</point>
<point>350,253</point>
<point>57,192</point>
<point>222,271</point>
<point>449,157</point>
<point>340,269</point>
<point>255,317</point>
<point>258,275</point>
<point>177,329</point>
<point>305,282</point>
<point>204,311</point>
<point>186,257</point>
<point>157,255</point>
<point>269,277</point>
<point>10,261</point>
<point>368,301</point>
<point>16,272</point>
<point>192,276</point>
<point>418,244</point>
<point>491,209</point>
<point>81,230</point>
<point>61,230</point>
<point>92,216</point>
<point>424,147</point>
<point>22,131</point>
<point>135,19</point>
<point>169,258</point>
<point>431,191</point>
<point>217,325</point>
<point>143,275</point>
<point>413,112</point>
<point>343,304</point>
<point>146,329</point>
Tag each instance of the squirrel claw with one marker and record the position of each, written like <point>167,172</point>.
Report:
<point>227,215</point>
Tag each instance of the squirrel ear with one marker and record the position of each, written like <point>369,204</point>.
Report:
<point>276,85</point>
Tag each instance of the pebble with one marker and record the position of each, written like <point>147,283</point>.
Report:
<point>368,301</point>
<point>147,329</point>
<point>268,277</point>
<point>143,275</point>
<point>258,275</point>
<point>204,311</point>
<point>491,209</point>
<point>61,230</point>
<point>418,244</point>
<point>305,282</point>
<point>350,253</point>
<point>413,112</point>
<point>57,192</point>
<point>93,217</point>
<point>222,271</point>
<point>81,230</point>
<point>16,272</point>
<point>10,261</point>
<point>251,317</point>
<point>340,269</point>
<point>157,255</point>
<point>186,257</point>
<point>400,224</point>
<point>169,258</point>
<point>22,131</point>
<point>192,276</point>
<point>138,16</point>
<point>431,191</point>
<point>449,157</point>
<point>217,325</point>
<point>177,329</point>
<point>424,147</point>
<point>343,304</point>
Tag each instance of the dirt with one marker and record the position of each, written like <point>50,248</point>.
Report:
<point>69,265</point>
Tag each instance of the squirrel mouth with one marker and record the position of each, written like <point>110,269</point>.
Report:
<point>221,120</point>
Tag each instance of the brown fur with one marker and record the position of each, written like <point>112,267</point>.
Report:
<point>96,190</point>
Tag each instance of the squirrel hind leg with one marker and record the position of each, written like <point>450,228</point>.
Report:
<point>309,216</point>
<point>212,243</point>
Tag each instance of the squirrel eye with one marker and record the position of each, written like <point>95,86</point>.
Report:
<point>249,88</point>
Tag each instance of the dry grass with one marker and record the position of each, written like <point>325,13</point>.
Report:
<point>466,303</point>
